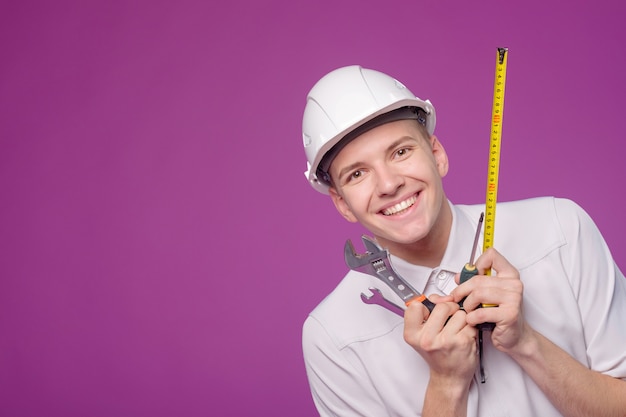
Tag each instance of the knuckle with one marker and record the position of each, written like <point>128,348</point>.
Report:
<point>408,336</point>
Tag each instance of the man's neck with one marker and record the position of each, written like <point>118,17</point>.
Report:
<point>428,251</point>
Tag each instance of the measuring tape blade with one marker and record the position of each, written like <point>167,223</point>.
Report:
<point>494,148</point>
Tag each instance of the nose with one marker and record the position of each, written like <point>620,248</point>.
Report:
<point>389,181</point>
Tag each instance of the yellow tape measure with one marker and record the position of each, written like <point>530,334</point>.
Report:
<point>494,149</point>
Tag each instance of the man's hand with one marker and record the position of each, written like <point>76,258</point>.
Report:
<point>572,387</point>
<point>505,291</point>
<point>448,348</point>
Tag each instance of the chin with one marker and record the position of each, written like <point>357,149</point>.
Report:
<point>400,239</point>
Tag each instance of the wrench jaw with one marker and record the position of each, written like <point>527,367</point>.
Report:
<point>352,258</point>
<point>377,297</point>
<point>364,262</point>
<point>375,262</point>
<point>372,247</point>
<point>374,294</point>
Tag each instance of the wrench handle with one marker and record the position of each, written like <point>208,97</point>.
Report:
<point>422,299</point>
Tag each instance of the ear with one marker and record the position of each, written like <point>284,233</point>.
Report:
<point>341,205</point>
<point>441,157</point>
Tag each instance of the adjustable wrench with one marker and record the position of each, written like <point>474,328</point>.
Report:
<point>375,262</point>
<point>378,298</point>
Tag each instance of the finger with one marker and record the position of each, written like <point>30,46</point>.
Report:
<point>487,290</point>
<point>482,291</point>
<point>415,315</point>
<point>462,290</point>
<point>439,317</point>
<point>483,315</point>
<point>456,322</point>
<point>491,258</point>
<point>436,298</point>
<point>414,318</point>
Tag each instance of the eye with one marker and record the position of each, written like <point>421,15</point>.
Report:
<point>355,175</point>
<point>402,152</point>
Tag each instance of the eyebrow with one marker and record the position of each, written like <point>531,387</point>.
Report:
<point>355,165</point>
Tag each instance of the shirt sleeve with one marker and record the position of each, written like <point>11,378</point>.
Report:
<point>600,288</point>
<point>338,381</point>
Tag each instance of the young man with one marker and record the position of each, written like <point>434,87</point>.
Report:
<point>559,342</point>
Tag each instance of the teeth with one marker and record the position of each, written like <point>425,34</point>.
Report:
<point>400,206</point>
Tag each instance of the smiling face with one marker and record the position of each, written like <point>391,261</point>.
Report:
<point>389,179</point>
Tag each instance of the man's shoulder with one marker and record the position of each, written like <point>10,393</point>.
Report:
<point>525,230</point>
<point>346,319</point>
<point>526,207</point>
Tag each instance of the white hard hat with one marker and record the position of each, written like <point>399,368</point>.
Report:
<point>345,102</point>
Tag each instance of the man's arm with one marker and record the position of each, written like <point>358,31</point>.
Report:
<point>449,348</point>
<point>573,388</point>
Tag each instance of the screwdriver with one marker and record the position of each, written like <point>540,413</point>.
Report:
<point>470,270</point>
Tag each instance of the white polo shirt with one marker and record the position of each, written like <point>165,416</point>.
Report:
<point>358,363</point>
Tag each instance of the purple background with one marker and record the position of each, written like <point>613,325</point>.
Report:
<point>160,247</point>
